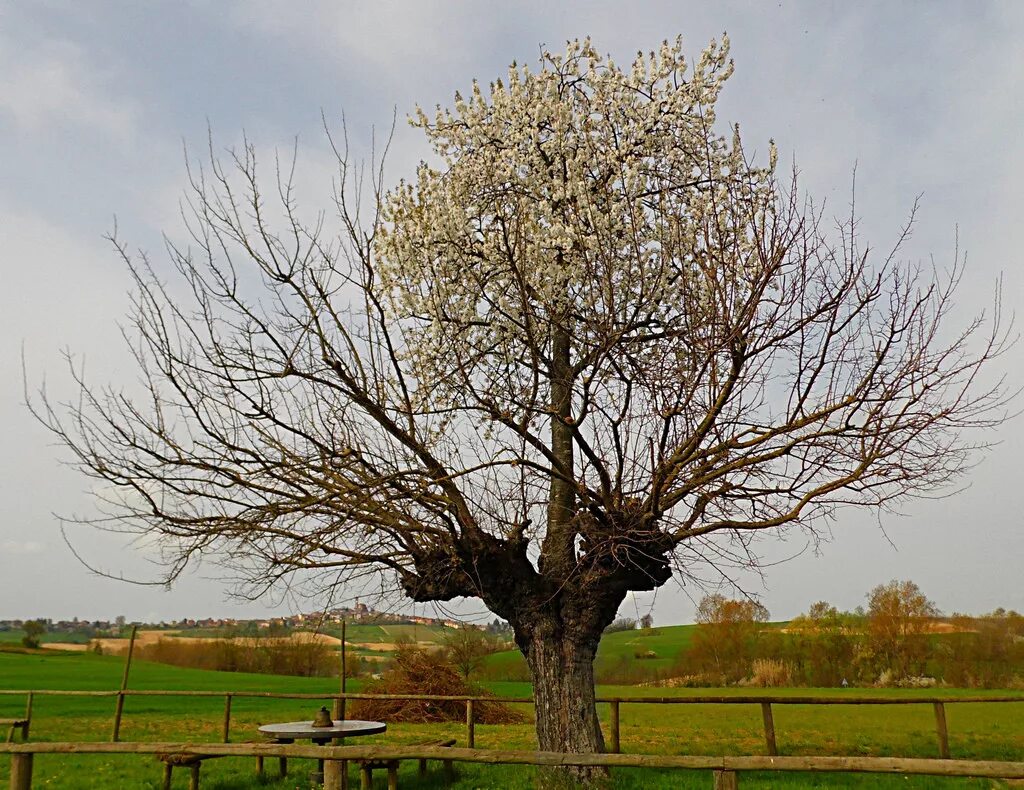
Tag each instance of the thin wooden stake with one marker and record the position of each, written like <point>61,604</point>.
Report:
<point>339,702</point>
<point>941,731</point>
<point>119,709</point>
<point>614,726</point>
<point>470,725</point>
<point>28,716</point>
<point>339,710</point>
<point>227,718</point>
<point>769,728</point>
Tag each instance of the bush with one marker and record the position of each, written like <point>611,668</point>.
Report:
<point>770,673</point>
<point>417,672</point>
<point>33,630</point>
<point>304,656</point>
<point>622,624</point>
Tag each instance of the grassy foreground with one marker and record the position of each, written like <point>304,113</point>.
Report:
<point>976,730</point>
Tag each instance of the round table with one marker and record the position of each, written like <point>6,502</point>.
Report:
<point>291,731</point>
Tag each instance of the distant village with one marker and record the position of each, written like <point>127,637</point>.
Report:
<point>357,613</point>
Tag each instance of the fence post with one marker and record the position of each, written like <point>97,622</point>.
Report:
<point>726,780</point>
<point>940,728</point>
<point>614,726</point>
<point>116,734</point>
<point>28,717</point>
<point>227,717</point>
<point>333,773</point>
<point>21,771</point>
<point>769,728</point>
<point>470,725</point>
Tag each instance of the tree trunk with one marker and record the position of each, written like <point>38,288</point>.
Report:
<point>563,692</point>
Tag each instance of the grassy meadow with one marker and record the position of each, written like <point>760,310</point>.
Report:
<point>654,648</point>
<point>15,635</point>
<point>976,730</point>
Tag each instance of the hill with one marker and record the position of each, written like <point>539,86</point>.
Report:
<point>653,648</point>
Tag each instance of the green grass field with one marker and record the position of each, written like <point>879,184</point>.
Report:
<point>15,635</point>
<point>666,644</point>
<point>976,730</point>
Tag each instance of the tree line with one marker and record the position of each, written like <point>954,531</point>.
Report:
<point>900,639</point>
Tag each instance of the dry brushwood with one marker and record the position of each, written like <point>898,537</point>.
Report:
<point>418,672</point>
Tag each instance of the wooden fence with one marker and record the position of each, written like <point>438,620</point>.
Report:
<point>765,703</point>
<point>725,770</point>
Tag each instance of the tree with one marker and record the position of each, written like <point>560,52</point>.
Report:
<point>899,618</point>
<point>725,635</point>
<point>33,630</point>
<point>595,344</point>
<point>827,644</point>
<point>467,648</point>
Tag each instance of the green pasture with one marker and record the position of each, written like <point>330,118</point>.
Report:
<point>415,633</point>
<point>993,731</point>
<point>665,643</point>
<point>15,635</point>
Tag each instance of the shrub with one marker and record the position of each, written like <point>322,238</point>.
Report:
<point>770,673</point>
<point>304,656</point>
<point>33,630</point>
<point>417,672</point>
<point>622,624</point>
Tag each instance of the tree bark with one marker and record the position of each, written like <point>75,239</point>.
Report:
<point>563,690</point>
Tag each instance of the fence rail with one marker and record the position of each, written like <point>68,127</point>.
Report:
<point>725,770</point>
<point>703,699</point>
<point>765,704</point>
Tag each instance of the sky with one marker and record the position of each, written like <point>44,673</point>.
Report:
<point>100,101</point>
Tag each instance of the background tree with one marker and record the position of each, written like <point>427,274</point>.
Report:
<point>33,629</point>
<point>825,645</point>
<point>984,651</point>
<point>723,643</point>
<point>593,345</point>
<point>467,649</point>
<point>899,618</point>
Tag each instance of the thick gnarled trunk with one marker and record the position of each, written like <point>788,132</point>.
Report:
<point>561,661</point>
<point>563,691</point>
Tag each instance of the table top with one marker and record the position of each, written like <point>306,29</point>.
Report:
<point>349,728</point>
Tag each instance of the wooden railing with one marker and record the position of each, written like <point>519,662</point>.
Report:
<point>765,703</point>
<point>725,770</point>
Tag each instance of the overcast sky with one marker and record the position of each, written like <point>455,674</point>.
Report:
<point>98,100</point>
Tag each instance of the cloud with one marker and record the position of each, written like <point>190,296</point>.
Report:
<point>53,83</point>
